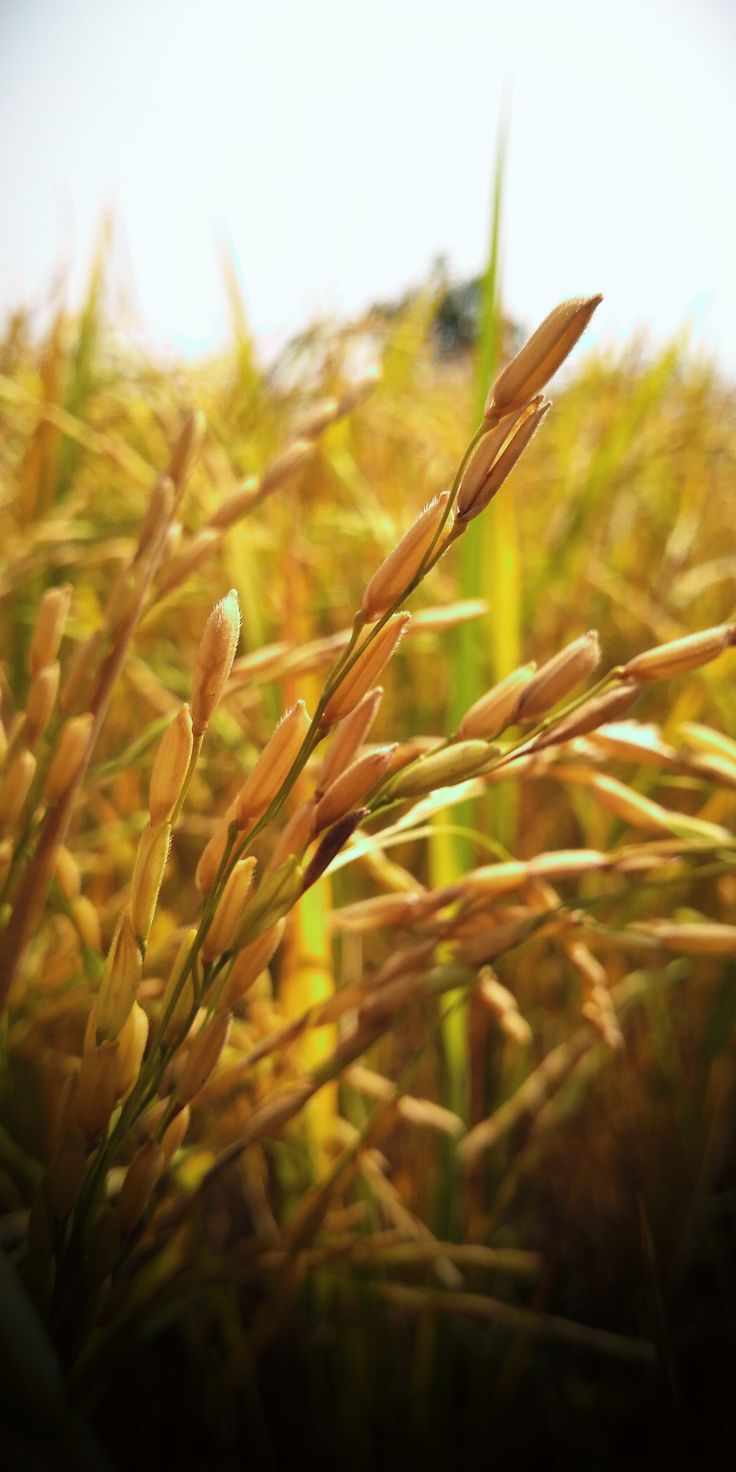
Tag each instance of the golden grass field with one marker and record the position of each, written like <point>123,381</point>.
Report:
<point>423,1119</point>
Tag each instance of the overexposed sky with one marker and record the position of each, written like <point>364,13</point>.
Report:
<point>336,148</point>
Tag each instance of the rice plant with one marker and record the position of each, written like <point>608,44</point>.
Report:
<point>227,961</point>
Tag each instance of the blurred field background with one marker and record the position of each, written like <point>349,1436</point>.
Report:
<point>608,1193</point>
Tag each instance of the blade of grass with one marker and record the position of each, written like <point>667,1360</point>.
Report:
<point>484,546</point>
<point>307,979</point>
<point>82,365</point>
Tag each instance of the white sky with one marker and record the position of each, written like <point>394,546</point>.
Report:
<point>336,147</point>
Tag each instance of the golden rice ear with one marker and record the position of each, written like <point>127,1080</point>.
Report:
<point>254,489</point>
<point>227,914</point>
<point>275,895</point>
<point>632,807</point>
<point>95,1099</point>
<point>236,505</point>
<point>120,980</point>
<point>186,449</point>
<point>558,677</point>
<point>489,716</point>
<point>486,451</point>
<point>273,765</point>
<point>702,939</point>
<point>471,502</point>
<point>148,874</point>
<point>49,629</point>
<point>288,463</point>
<point>133,1039</point>
<point>213,852</point>
<point>141,1178</point>
<point>296,836</point>
<point>502,1005</point>
<point>372,658</point>
<point>67,873</point>
<point>347,738</point>
<point>214,660</point>
<point>15,787</point>
<point>251,961</point>
<point>401,566</point>
<point>175,1133</point>
<point>183,558</point>
<point>569,863</point>
<point>441,769</point>
<point>352,786</point>
<point>158,513</point>
<point>681,655</point>
<point>41,701</point>
<point>204,1056</point>
<point>541,356</point>
<point>70,753</point>
<point>384,909</point>
<point>492,880</point>
<point>170,766</point>
<point>592,714</point>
